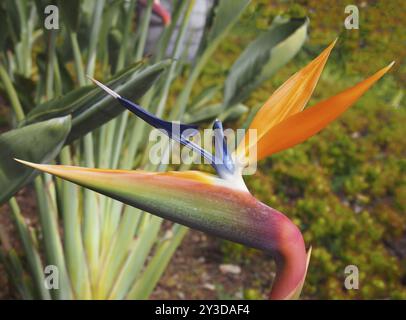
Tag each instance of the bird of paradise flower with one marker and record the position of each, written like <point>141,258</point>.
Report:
<point>222,205</point>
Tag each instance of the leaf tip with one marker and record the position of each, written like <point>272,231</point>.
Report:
<point>104,87</point>
<point>382,72</point>
<point>27,163</point>
<point>21,161</point>
<point>325,54</point>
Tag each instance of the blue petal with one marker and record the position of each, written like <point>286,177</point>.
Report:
<point>225,163</point>
<point>176,131</point>
<point>155,121</point>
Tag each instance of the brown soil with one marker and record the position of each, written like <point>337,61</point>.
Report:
<point>194,273</point>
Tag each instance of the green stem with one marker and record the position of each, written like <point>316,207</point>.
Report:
<point>74,251</point>
<point>146,283</point>
<point>91,224</point>
<point>14,267</point>
<point>177,51</point>
<point>33,257</point>
<point>58,80</point>
<point>12,94</point>
<point>126,33</point>
<point>52,240</point>
<point>80,72</point>
<point>111,209</point>
<point>144,30</point>
<point>49,92</point>
<point>94,35</point>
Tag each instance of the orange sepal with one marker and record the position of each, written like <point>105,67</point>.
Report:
<point>290,98</point>
<point>301,126</point>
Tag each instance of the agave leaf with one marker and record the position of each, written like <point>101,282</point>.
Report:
<point>90,108</point>
<point>263,57</point>
<point>225,14</point>
<point>73,101</point>
<point>31,251</point>
<point>234,112</point>
<point>39,142</point>
<point>204,113</point>
<point>204,97</point>
<point>146,283</point>
<point>212,111</point>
